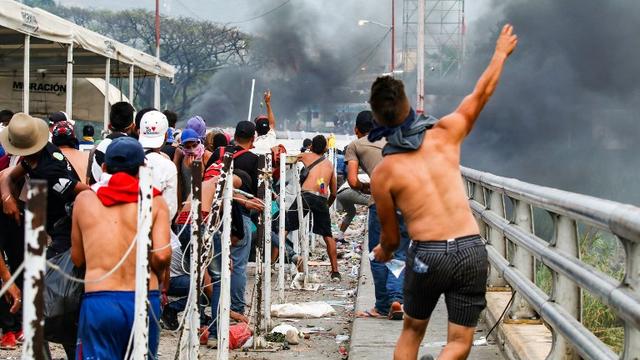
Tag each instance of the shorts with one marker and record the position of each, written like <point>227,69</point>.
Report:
<point>320,214</point>
<point>106,320</point>
<point>457,268</point>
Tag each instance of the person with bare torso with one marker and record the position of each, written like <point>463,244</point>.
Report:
<point>318,193</point>
<point>420,175</point>
<point>104,227</point>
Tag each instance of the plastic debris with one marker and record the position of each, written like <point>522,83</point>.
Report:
<point>341,338</point>
<point>302,310</point>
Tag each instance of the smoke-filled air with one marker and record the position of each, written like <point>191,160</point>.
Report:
<point>567,111</point>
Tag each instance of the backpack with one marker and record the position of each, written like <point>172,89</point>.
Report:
<point>215,169</point>
<point>304,173</point>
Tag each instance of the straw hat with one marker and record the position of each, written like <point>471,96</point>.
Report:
<point>25,135</point>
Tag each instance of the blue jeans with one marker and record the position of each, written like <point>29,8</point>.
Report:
<point>240,257</point>
<point>388,288</point>
<point>179,287</point>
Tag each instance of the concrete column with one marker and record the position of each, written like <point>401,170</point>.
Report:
<point>69,97</point>
<point>132,80</point>
<point>26,73</point>
<point>107,81</point>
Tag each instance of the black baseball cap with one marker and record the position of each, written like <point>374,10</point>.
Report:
<point>245,130</point>
<point>124,153</point>
<point>262,125</point>
<point>364,121</point>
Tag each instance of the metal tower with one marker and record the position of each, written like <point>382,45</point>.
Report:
<point>444,37</point>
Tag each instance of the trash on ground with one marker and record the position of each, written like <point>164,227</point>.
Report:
<point>302,310</point>
<point>239,334</point>
<point>341,338</point>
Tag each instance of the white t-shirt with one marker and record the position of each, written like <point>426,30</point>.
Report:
<point>165,179</point>
<point>263,143</point>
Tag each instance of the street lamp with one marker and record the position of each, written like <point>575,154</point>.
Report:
<point>392,28</point>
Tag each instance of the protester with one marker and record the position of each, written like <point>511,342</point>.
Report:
<point>306,145</point>
<point>27,137</point>
<point>60,116</point>
<point>169,146</point>
<point>198,125</point>
<point>246,161</point>
<point>191,149</point>
<point>120,124</point>
<point>107,310</point>
<point>366,155</point>
<point>346,200</point>
<point>152,135</point>
<point>87,135</point>
<point>420,175</point>
<point>5,117</point>
<point>63,136</point>
<point>318,194</point>
<point>10,321</point>
<point>265,129</point>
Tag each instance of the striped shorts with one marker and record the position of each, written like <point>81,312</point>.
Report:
<point>456,268</point>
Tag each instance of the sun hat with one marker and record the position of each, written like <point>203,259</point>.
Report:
<point>25,135</point>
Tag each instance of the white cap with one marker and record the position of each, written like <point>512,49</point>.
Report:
<point>153,127</point>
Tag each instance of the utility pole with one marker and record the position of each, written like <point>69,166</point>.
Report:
<point>420,58</point>
<point>156,92</point>
<point>393,36</point>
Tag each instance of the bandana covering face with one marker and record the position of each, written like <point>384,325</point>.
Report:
<point>119,188</point>
<point>405,137</point>
<point>198,151</point>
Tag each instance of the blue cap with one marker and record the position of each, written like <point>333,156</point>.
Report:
<point>189,135</point>
<point>170,138</point>
<point>124,153</point>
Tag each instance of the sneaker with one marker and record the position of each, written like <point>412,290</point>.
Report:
<point>20,336</point>
<point>9,341</point>
<point>335,276</point>
<point>204,336</point>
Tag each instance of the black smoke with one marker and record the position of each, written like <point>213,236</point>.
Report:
<point>306,56</point>
<point>567,111</point>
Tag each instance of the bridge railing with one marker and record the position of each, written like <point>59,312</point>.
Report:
<point>513,245</point>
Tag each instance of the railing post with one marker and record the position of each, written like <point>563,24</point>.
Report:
<point>143,246</point>
<point>565,292</point>
<point>281,225</point>
<point>478,196</point>
<point>259,341</point>
<point>523,261</point>
<point>632,281</point>
<point>35,238</point>
<point>496,238</point>
<point>266,181</point>
<point>225,272</point>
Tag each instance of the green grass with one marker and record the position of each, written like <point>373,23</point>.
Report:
<point>603,253</point>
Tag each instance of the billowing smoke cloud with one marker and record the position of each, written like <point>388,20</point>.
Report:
<point>567,111</point>
<point>305,54</point>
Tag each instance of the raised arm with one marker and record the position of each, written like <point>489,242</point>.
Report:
<point>461,121</point>
<point>270,115</point>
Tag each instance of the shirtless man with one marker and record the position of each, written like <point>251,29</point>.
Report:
<point>318,194</point>
<point>107,311</point>
<point>424,182</point>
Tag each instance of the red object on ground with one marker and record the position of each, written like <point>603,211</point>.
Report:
<point>238,335</point>
<point>9,341</point>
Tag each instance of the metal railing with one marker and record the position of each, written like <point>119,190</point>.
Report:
<point>513,246</point>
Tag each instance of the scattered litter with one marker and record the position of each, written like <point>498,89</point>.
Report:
<point>355,270</point>
<point>482,341</point>
<point>343,351</point>
<point>319,263</point>
<point>239,334</point>
<point>314,330</point>
<point>275,337</point>
<point>396,266</point>
<point>312,282</point>
<point>341,338</point>
<point>302,310</point>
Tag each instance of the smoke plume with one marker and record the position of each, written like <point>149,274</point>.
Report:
<point>566,113</point>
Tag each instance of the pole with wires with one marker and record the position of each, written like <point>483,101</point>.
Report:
<point>35,242</point>
<point>225,273</point>
<point>281,225</point>
<point>141,309</point>
<point>266,182</point>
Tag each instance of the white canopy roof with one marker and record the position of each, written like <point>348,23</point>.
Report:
<point>48,31</point>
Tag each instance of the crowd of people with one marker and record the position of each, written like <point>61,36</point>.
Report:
<point>420,218</point>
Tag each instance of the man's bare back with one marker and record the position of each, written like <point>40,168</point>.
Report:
<point>324,171</point>
<point>101,235</point>
<point>431,196</point>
